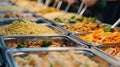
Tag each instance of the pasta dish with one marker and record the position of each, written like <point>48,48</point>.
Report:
<point>25,27</point>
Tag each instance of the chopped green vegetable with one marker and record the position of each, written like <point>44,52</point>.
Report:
<point>93,19</point>
<point>79,19</point>
<point>51,65</point>
<point>58,20</point>
<point>73,21</point>
<point>85,65</point>
<point>73,17</point>
<point>20,20</point>
<point>26,57</point>
<point>77,63</point>
<point>46,43</point>
<point>108,29</point>
<point>77,53</point>
<point>97,26</point>
<point>63,53</point>
<point>21,45</point>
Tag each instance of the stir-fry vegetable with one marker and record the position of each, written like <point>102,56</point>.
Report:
<point>21,45</point>
<point>26,57</point>
<point>46,43</point>
<point>108,29</point>
<point>20,20</point>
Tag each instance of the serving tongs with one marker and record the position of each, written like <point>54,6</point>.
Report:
<point>82,9</point>
<point>116,23</point>
<point>67,8</point>
<point>55,3</point>
<point>47,2</point>
<point>59,4</point>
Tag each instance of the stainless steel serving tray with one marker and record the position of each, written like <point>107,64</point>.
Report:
<point>89,43</point>
<point>4,21</point>
<point>16,15</point>
<point>62,40</point>
<point>12,8</point>
<point>71,24</point>
<point>88,52</point>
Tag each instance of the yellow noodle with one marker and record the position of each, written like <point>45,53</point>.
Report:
<point>25,27</point>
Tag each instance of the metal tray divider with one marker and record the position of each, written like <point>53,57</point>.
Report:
<point>51,49</point>
<point>32,35</point>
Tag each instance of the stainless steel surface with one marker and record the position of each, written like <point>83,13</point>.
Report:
<point>66,40</point>
<point>88,52</point>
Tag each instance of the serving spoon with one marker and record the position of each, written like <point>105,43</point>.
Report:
<point>116,23</point>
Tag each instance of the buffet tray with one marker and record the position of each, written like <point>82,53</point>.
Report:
<point>6,21</point>
<point>61,40</point>
<point>11,53</point>
<point>11,8</point>
<point>8,15</point>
